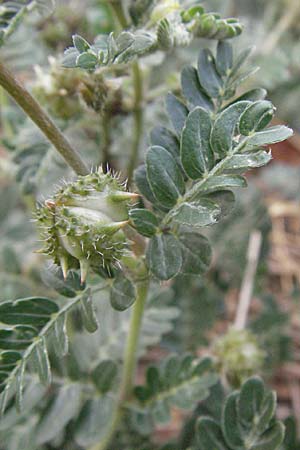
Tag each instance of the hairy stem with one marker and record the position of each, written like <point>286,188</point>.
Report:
<point>33,110</point>
<point>130,357</point>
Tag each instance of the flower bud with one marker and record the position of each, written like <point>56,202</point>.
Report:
<point>82,224</point>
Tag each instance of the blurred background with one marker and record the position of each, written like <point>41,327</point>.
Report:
<point>29,168</point>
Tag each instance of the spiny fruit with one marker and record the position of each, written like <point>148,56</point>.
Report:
<point>81,225</point>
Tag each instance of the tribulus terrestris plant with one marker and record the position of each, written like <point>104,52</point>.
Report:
<point>118,232</point>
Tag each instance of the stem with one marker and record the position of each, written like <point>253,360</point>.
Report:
<point>129,363</point>
<point>138,118</point>
<point>133,340</point>
<point>32,108</point>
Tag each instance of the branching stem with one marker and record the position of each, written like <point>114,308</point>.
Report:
<point>38,115</point>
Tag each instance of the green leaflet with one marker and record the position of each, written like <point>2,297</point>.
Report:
<point>192,89</point>
<point>86,60</point>
<point>167,139</point>
<point>198,213</point>
<point>196,155</point>
<point>177,112</point>
<point>144,221</point>
<point>34,311</point>
<point>104,375</point>
<point>252,390</point>
<point>196,253</point>
<point>164,176</point>
<point>80,43</point>
<point>231,430</point>
<point>272,438</point>
<point>253,95</point>
<point>269,136</point>
<point>17,337</point>
<point>89,317</point>
<point>224,58</point>
<point>209,435</point>
<point>140,179</point>
<point>60,336</point>
<point>122,293</point>
<point>40,359</point>
<point>256,117</point>
<point>291,441</point>
<point>221,182</point>
<point>70,58</point>
<point>209,78</point>
<point>224,199</point>
<point>225,126</point>
<point>254,402</point>
<point>164,256</point>
<point>247,161</point>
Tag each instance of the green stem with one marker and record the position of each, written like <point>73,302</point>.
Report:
<point>129,364</point>
<point>133,340</point>
<point>138,118</point>
<point>32,108</point>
